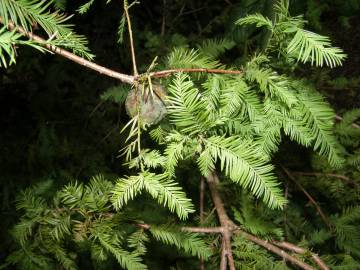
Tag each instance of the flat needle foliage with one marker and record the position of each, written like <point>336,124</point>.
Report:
<point>232,124</point>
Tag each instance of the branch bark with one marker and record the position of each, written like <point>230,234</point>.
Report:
<point>201,202</point>
<point>226,223</point>
<point>275,247</point>
<point>299,250</point>
<point>77,59</point>
<point>165,73</point>
<point>125,78</point>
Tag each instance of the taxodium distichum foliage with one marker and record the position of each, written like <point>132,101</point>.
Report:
<point>207,120</point>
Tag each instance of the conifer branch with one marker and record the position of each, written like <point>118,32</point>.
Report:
<point>228,228</point>
<point>125,78</point>
<point>77,59</point>
<point>166,73</point>
<point>299,250</point>
<point>274,249</point>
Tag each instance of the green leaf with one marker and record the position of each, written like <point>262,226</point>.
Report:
<point>159,186</point>
<point>244,164</point>
<point>317,49</point>
<point>318,118</point>
<point>187,108</point>
<point>189,242</point>
<point>257,19</point>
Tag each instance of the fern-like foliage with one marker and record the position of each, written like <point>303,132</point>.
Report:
<point>8,41</point>
<point>228,124</point>
<point>258,19</point>
<point>215,47</point>
<point>183,58</point>
<point>27,14</point>
<point>243,163</point>
<point>85,216</point>
<point>250,219</point>
<point>314,48</point>
<point>303,45</point>
<point>189,242</point>
<point>187,107</point>
<point>319,118</point>
<point>160,187</point>
<point>251,256</point>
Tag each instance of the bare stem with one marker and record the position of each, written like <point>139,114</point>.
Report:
<point>299,250</point>
<point>132,47</point>
<point>125,78</point>
<point>202,195</point>
<point>166,73</point>
<point>274,249</point>
<point>77,59</point>
<point>225,222</point>
<point>272,246</point>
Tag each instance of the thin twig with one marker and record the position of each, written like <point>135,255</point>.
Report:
<point>286,212</point>
<point>272,246</point>
<point>77,59</point>
<point>125,78</point>
<point>203,229</point>
<point>299,250</point>
<point>202,195</point>
<point>172,23</point>
<point>339,118</point>
<point>311,199</point>
<point>338,176</point>
<point>163,23</point>
<point>165,73</point>
<point>274,249</point>
<point>132,48</point>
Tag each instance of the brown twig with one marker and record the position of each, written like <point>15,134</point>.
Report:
<point>339,118</point>
<point>299,250</point>
<point>226,223</point>
<point>311,199</point>
<point>163,23</point>
<point>132,47</point>
<point>201,199</point>
<point>228,228</point>
<point>202,195</point>
<point>275,247</point>
<point>165,73</point>
<point>125,78</point>
<point>203,229</point>
<point>286,212</point>
<point>77,59</point>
